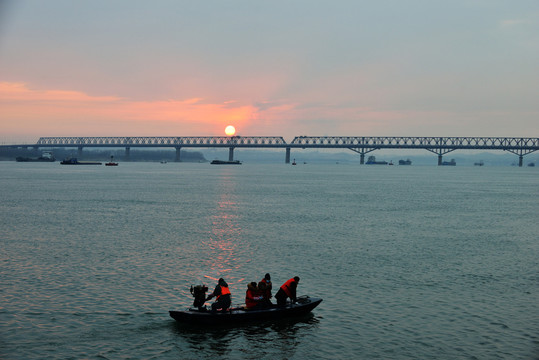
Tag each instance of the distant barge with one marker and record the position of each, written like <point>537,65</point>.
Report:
<point>74,161</point>
<point>223,162</point>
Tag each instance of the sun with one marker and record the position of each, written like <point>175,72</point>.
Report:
<point>230,130</point>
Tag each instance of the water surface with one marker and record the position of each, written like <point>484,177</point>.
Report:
<point>411,261</point>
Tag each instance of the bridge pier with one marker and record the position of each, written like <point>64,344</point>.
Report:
<point>362,158</point>
<point>177,158</point>
<point>79,152</point>
<point>127,152</point>
<point>230,154</point>
<point>287,156</point>
<point>520,158</point>
<point>439,159</point>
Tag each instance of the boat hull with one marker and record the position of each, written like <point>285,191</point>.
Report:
<point>223,162</point>
<point>74,161</point>
<point>240,315</point>
<point>39,159</point>
<point>81,163</point>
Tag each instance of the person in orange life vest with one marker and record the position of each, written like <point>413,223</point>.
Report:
<point>222,293</point>
<point>287,290</point>
<point>253,297</point>
<point>265,286</point>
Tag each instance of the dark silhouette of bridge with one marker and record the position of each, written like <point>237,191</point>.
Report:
<point>360,144</point>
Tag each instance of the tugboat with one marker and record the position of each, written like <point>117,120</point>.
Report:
<point>111,163</point>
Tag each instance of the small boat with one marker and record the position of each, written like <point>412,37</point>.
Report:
<point>223,162</point>
<point>294,162</point>
<point>303,306</point>
<point>111,163</point>
<point>532,164</point>
<point>480,163</point>
<point>74,161</point>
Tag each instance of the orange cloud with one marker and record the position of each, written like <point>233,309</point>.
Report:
<point>20,92</point>
<point>27,110</point>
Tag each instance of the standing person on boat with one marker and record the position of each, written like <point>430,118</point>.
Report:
<point>266,287</point>
<point>222,293</point>
<point>287,290</point>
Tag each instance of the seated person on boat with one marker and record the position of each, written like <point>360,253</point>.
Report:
<point>222,292</point>
<point>265,286</point>
<point>254,297</point>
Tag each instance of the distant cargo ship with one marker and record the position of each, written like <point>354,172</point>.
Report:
<point>405,162</point>
<point>74,161</point>
<point>223,162</point>
<point>45,157</point>
<point>372,161</point>
<point>449,163</point>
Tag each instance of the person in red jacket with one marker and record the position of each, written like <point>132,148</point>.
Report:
<point>287,290</point>
<point>253,297</point>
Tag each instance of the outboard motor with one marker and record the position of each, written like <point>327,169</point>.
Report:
<point>199,293</point>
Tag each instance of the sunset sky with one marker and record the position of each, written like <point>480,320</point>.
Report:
<point>270,68</point>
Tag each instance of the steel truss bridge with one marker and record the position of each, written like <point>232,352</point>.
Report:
<point>359,144</point>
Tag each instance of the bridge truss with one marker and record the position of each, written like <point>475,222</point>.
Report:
<point>437,145</point>
<point>359,144</point>
<point>164,141</point>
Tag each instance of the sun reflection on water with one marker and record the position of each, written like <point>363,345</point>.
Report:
<point>225,243</point>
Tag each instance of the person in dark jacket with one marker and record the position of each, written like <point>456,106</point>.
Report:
<point>222,293</point>
<point>287,290</point>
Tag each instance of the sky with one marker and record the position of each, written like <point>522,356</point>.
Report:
<point>269,68</point>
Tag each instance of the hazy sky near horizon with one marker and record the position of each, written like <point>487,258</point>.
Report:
<point>280,68</point>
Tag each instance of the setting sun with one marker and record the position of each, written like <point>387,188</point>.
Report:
<point>230,130</point>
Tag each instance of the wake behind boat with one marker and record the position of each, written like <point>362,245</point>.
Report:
<point>303,306</point>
